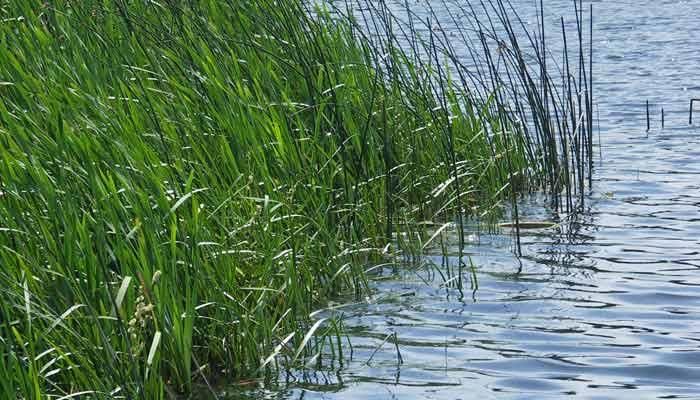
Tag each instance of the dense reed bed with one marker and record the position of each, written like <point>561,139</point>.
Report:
<point>183,183</point>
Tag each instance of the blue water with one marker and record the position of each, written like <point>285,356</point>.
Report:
<point>605,306</point>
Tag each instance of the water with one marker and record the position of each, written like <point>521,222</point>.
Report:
<point>607,311</point>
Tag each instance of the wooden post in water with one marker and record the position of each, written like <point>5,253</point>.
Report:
<point>648,122</point>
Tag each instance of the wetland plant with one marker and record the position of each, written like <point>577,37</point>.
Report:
<point>183,183</point>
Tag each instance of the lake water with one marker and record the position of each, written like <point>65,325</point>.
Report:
<point>605,307</point>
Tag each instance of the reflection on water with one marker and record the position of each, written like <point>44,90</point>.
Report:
<point>603,306</point>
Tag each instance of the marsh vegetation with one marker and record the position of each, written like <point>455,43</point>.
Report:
<point>182,184</point>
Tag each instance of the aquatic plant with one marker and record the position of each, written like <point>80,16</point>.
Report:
<point>183,184</point>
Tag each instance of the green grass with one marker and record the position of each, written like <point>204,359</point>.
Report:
<point>183,183</point>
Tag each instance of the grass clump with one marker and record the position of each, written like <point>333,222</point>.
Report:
<point>183,183</point>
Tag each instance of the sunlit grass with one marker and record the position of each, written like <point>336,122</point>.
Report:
<point>181,186</point>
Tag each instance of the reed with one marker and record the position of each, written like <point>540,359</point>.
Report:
<point>182,184</point>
